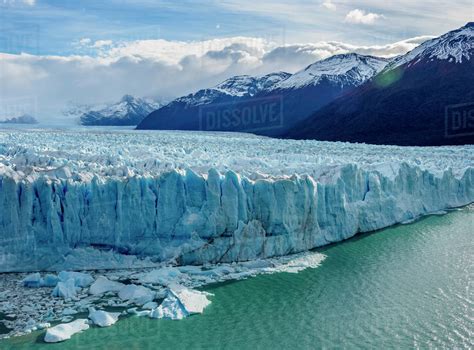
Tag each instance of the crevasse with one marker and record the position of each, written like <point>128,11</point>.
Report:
<point>218,216</point>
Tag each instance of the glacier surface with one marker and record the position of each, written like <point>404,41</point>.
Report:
<point>197,198</point>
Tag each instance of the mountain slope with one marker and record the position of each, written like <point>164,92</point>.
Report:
<point>129,111</point>
<point>266,105</point>
<point>23,119</point>
<point>422,98</point>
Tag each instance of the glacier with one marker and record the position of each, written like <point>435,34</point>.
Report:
<point>198,198</point>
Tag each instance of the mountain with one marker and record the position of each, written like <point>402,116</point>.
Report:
<point>424,98</point>
<point>129,111</point>
<point>23,119</point>
<point>266,105</point>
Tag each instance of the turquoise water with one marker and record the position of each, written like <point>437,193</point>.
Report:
<point>408,286</point>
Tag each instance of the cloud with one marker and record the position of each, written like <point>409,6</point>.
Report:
<point>21,2</point>
<point>329,5</point>
<point>102,43</point>
<point>158,68</point>
<point>84,41</point>
<point>361,17</point>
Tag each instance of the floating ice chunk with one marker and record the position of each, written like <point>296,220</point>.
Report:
<point>193,301</point>
<point>49,281</point>
<point>103,285</point>
<point>35,280</point>
<point>65,331</point>
<point>136,294</point>
<point>141,313</point>
<point>103,318</point>
<point>66,319</point>
<point>164,276</point>
<point>32,281</point>
<point>171,308</point>
<point>150,305</point>
<point>69,311</point>
<point>298,263</point>
<point>66,290</point>
<point>80,279</point>
<point>180,302</point>
<point>43,325</point>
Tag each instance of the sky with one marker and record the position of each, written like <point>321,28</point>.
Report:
<point>59,53</point>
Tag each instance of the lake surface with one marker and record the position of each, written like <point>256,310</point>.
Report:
<point>410,286</point>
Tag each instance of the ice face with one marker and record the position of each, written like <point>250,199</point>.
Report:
<point>208,197</point>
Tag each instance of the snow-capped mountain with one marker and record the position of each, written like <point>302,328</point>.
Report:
<point>129,111</point>
<point>242,103</point>
<point>346,69</point>
<point>23,119</point>
<point>422,98</point>
<point>235,87</point>
<point>456,46</point>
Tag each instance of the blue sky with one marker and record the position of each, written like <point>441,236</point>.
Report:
<point>55,26</point>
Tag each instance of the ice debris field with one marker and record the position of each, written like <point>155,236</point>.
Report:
<point>137,209</point>
<point>70,302</point>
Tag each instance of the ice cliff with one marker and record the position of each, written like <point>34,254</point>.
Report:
<point>207,198</point>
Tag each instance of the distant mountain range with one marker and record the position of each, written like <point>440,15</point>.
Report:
<point>267,105</point>
<point>128,111</point>
<point>425,97</point>
<point>23,119</point>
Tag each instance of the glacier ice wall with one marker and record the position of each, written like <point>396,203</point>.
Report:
<point>213,216</point>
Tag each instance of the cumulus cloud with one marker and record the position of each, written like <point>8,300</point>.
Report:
<point>158,68</point>
<point>361,17</point>
<point>329,5</point>
<point>102,43</point>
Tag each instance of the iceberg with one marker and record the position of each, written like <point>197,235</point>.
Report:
<point>171,308</point>
<point>65,331</point>
<point>200,198</point>
<point>80,279</point>
<point>136,294</point>
<point>180,302</point>
<point>103,318</point>
<point>49,281</point>
<point>66,290</point>
<point>104,285</point>
<point>193,301</point>
<point>33,280</point>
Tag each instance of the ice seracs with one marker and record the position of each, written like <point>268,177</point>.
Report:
<point>197,198</point>
<point>65,331</point>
